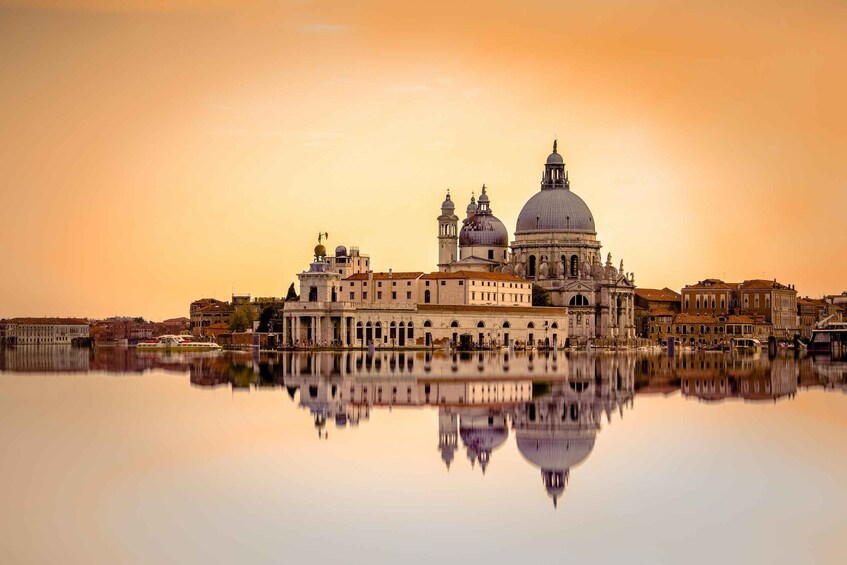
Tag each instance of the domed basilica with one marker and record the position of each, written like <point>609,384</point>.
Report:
<point>555,246</point>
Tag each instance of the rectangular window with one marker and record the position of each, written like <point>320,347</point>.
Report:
<point>352,296</point>
<point>442,283</point>
<point>364,296</point>
<point>408,296</point>
<point>393,296</point>
<point>379,295</point>
<point>461,283</point>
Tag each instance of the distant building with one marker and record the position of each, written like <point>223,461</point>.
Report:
<point>654,311</point>
<point>836,306</point>
<point>772,305</point>
<point>809,312</point>
<point>206,312</point>
<point>45,331</point>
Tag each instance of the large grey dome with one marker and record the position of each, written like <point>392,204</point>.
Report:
<point>556,210</point>
<point>483,230</point>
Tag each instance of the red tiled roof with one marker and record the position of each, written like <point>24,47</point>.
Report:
<point>711,284</point>
<point>761,284</point>
<point>739,320</point>
<point>50,321</point>
<point>694,319</point>
<point>214,307</point>
<point>655,294</point>
<point>475,275</point>
<point>385,276</point>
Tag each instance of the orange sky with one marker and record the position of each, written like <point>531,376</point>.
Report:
<point>155,152</point>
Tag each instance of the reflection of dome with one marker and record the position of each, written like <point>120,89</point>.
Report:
<point>484,230</point>
<point>554,453</point>
<point>556,209</point>
<point>481,435</point>
<point>340,251</point>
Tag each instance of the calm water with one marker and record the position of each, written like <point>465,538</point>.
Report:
<point>109,456</point>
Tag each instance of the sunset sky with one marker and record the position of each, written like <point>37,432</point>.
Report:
<point>155,152</point>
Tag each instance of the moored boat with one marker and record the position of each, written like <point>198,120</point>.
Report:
<point>176,343</point>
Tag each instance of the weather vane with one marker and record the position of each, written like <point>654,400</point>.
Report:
<point>322,235</point>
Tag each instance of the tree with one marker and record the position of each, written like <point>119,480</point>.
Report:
<point>265,319</point>
<point>242,318</point>
<point>292,294</point>
<point>540,296</point>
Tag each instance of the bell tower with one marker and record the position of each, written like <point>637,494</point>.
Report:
<point>448,234</point>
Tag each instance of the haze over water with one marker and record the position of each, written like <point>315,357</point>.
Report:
<point>111,456</point>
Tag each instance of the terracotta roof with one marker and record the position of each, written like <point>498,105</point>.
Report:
<point>475,275</point>
<point>739,320</point>
<point>385,276</point>
<point>812,301</point>
<point>761,284</point>
<point>663,295</point>
<point>711,284</point>
<point>661,312</point>
<point>694,319</point>
<point>50,321</point>
<point>214,307</point>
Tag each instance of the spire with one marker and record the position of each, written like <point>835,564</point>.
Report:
<point>555,145</point>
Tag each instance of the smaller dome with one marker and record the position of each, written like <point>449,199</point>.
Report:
<point>448,203</point>
<point>320,250</point>
<point>555,159</point>
<point>472,207</point>
<point>341,251</point>
<point>483,198</point>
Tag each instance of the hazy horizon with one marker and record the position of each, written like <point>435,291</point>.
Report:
<point>158,152</point>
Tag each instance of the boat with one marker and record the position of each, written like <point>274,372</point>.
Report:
<point>746,344</point>
<point>828,337</point>
<point>176,343</point>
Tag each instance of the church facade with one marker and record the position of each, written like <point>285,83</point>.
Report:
<point>555,246</point>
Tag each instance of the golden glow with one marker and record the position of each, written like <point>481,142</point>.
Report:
<point>155,152</point>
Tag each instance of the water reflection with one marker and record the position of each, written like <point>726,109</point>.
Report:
<point>552,404</point>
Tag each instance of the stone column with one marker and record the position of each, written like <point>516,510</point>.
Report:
<point>318,329</point>
<point>343,330</point>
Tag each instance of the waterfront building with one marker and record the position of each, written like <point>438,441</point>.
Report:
<point>772,305</point>
<point>206,312</point>
<point>654,311</point>
<point>809,312</point>
<point>45,331</point>
<point>555,247</point>
<point>414,309</point>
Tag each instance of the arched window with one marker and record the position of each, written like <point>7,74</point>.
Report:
<point>574,265</point>
<point>359,331</point>
<point>427,324</point>
<point>555,325</point>
<point>427,297</point>
<point>531,325</point>
<point>579,300</point>
<point>454,324</point>
<point>392,331</point>
<point>378,332</point>
<point>531,268</point>
<point>507,325</point>
<point>410,330</point>
<point>481,324</point>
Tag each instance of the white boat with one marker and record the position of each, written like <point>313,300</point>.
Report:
<point>176,343</point>
<point>746,344</point>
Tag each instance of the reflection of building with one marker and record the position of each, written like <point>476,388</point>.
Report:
<point>556,414</point>
<point>751,378</point>
<point>42,359</point>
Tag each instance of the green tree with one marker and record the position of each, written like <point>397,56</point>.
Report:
<point>292,294</point>
<point>242,319</point>
<point>540,296</point>
<point>265,319</point>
